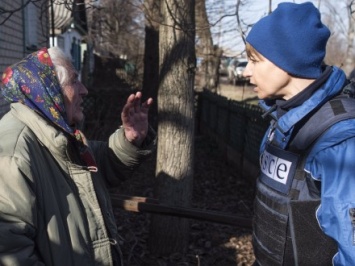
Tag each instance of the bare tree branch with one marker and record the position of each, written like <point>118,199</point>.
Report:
<point>5,14</point>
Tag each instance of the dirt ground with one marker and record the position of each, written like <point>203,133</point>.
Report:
<point>217,186</point>
<point>239,92</point>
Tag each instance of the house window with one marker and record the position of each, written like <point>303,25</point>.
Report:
<point>31,26</point>
<point>76,53</point>
<point>60,42</point>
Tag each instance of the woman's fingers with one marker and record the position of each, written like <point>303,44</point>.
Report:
<point>133,105</point>
<point>146,105</point>
<point>137,102</point>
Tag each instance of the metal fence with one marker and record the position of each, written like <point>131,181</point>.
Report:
<point>237,127</point>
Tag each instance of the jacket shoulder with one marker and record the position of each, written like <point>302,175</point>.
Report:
<point>15,136</point>
<point>322,119</point>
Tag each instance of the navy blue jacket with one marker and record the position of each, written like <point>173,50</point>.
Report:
<point>331,161</point>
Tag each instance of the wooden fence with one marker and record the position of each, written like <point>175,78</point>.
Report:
<point>237,128</point>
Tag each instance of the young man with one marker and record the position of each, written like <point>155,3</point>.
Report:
<point>305,200</point>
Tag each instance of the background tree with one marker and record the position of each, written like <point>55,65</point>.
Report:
<point>174,169</point>
<point>151,56</point>
<point>209,52</point>
<point>339,18</point>
<point>116,27</point>
<point>116,31</point>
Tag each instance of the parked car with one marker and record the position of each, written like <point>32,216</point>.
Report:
<point>227,66</point>
<point>231,68</point>
<point>223,70</point>
<point>238,71</point>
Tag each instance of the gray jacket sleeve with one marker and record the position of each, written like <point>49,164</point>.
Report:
<point>118,158</point>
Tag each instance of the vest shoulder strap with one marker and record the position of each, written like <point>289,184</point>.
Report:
<point>340,108</point>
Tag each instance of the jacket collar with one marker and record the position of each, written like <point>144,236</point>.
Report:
<point>329,89</point>
<point>52,138</point>
<point>284,106</point>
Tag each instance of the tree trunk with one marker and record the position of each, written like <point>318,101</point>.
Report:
<point>349,63</point>
<point>211,55</point>
<point>151,58</point>
<point>174,169</point>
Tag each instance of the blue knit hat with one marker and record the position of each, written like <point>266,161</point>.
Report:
<point>293,38</point>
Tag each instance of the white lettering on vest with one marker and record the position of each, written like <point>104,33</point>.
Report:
<point>274,167</point>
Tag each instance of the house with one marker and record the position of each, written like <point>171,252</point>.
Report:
<point>26,26</point>
<point>68,30</point>
<point>23,29</point>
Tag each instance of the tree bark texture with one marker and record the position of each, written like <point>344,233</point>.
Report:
<point>174,169</point>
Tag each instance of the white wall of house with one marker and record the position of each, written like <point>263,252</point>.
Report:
<point>66,39</point>
<point>65,42</point>
<point>25,29</point>
<point>11,35</point>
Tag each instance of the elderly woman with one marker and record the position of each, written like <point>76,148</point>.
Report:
<point>54,204</point>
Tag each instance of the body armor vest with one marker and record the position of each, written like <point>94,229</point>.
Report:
<point>286,231</point>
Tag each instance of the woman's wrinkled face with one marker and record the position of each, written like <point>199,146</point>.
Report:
<point>270,81</point>
<point>73,93</point>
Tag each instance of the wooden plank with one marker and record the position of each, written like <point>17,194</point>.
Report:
<point>144,205</point>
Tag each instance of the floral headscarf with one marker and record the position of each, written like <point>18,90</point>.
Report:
<point>33,82</point>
